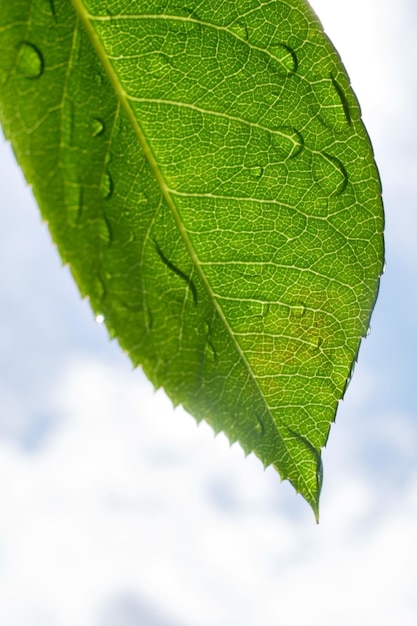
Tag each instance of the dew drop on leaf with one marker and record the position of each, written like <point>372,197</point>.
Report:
<point>148,318</point>
<point>52,7</point>
<point>297,310</point>
<point>316,343</point>
<point>97,127</point>
<point>271,97</point>
<point>104,231</point>
<point>106,186</point>
<point>329,173</point>
<point>210,352</point>
<point>332,104</point>
<point>100,318</point>
<point>343,100</point>
<point>158,64</point>
<point>286,142</point>
<point>260,426</point>
<point>30,60</point>
<point>256,171</point>
<point>286,56</point>
<point>240,29</point>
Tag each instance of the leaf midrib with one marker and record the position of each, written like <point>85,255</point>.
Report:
<point>166,192</point>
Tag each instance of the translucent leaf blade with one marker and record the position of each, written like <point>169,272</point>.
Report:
<point>206,174</point>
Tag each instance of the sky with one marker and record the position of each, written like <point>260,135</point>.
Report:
<point>116,510</point>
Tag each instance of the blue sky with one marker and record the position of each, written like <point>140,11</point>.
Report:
<point>116,510</point>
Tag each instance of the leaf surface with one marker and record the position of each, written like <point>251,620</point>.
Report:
<point>205,172</point>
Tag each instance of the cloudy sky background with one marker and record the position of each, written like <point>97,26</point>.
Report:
<point>116,510</point>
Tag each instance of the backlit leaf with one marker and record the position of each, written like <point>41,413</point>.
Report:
<point>205,172</point>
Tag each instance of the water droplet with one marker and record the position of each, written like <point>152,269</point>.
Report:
<point>287,142</point>
<point>52,8</point>
<point>240,29</point>
<point>329,173</point>
<point>104,231</point>
<point>384,268</point>
<point>271,97</point>
<point>100,318</point>
<point>331,104</point>
<point>148,318</point>
<point>210,352</point>
<point>260,426</point>
<point>256,171</point>
<point>368,332</point>
<point>30,60</point>
<point>106,186</point>
<point>97,127</point>
<point>158,64</point>
<point>316,343</point>
<point>297,310</point>
<point>343,100</point>
<point>286,57</point>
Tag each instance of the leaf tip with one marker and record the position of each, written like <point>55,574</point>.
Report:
<point>316,510</point>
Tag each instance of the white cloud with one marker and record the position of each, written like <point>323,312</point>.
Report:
<point>122,499</point>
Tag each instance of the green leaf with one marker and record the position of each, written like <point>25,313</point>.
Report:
<point>205,173</point>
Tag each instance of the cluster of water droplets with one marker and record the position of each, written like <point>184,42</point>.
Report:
<point>297,311</point>
<point>30,61</point>
<point>328,171</point>
<point>97,127</point>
